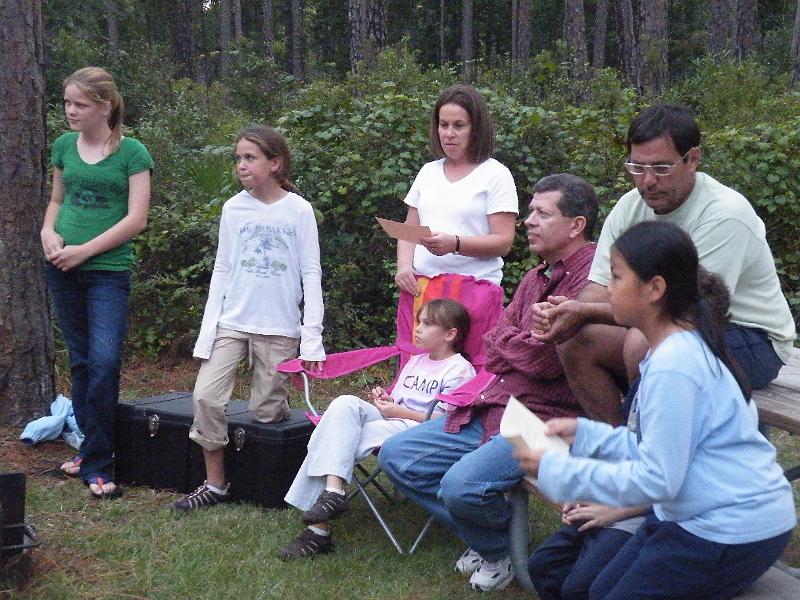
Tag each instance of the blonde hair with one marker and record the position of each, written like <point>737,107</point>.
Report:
<point>98,84</point>
<point>273,145</point>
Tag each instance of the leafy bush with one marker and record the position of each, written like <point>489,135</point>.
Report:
<point>357,145</point>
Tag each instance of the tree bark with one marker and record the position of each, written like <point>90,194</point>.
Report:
<point>575,38</point>
<point>599,40</point>
<point>267,28</point>
<point>467,52</point>
<point>514,30</point>
<point>653,45</point>
<point>745,28</point>
<point>367,30</point>
<point>26,337</point>
<point>236,9</point>
<point>522,51</point>
<point>112,26</point>
<point>224,39</point>
<point>442,51</point>
<point>796,47</point>
<point>630,49</point>
<point>295,39</point>
<point>185,47</point>
<point>719,26</point>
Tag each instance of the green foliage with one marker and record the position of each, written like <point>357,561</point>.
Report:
<point>358,143</point>
<point>764,165</point>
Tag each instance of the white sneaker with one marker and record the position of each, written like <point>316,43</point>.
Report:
<point>492,575</point>
<point>469,562</point>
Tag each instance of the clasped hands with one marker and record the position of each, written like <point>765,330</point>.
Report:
<point>60,256</point>
<point>556,320</point>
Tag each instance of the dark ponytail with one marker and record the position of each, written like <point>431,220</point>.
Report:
<point>692,294</point>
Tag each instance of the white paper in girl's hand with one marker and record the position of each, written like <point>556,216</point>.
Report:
<point>523,429</point>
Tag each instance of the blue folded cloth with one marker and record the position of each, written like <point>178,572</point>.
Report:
<point>60,423</point>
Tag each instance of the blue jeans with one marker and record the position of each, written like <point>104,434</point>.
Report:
<point>92,311</point>
<point>564,566</point>
<point>457,480</point>
<point>663,560</point>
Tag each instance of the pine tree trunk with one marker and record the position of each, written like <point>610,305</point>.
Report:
<point>185,47</point>
<point>514,30</point>
<point>575,38</point>
<point>523,47</point>
<point>467,52</point>
<point>236,9</point>
<point>442,51</point>
<point>267,28</point>
<point>367,30</point>
<point>26,337</point>
<point>745,27</point>
<point>112,26</point>
<point>376,20</point>
<point>796,47</point>
<point>296,39</point>
<point>599,41</point>
<point>719,21</point>
<point>224,39</point>
<point>653,45</point>
<point>630,51</point>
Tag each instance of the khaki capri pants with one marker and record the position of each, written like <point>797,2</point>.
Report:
<point>269,397</point>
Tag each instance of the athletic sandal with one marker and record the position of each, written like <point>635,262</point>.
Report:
<point>329,506</point>
<point>307,544</point>
<point>72,467</point>
<point>101,488</point>
<point>202,497</point>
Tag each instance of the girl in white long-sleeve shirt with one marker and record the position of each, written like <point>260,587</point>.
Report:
<point>267,264</point>
<point>722,510</point>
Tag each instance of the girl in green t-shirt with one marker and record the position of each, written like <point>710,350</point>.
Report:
<point>99,201</point>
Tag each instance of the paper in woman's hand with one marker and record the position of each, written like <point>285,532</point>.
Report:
<point>404,231</point>
<point>525,430</point>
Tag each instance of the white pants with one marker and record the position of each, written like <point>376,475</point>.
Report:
<point>350,429</point>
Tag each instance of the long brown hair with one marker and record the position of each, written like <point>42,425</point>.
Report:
<point>98,84</point>
<point>273,145</point>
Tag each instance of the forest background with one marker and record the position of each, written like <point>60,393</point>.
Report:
<point>352,82</point>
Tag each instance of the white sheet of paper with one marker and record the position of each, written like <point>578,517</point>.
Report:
<point>523,429</point>
<point>404,231</point>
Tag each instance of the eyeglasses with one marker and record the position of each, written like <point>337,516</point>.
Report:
<point>661,170</point>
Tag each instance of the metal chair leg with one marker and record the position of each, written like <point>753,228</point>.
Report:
<point>378,516</point>
<point>518,536</point>
<point>421,535</point>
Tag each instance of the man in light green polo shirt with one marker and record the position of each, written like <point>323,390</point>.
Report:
<point>600,357</point>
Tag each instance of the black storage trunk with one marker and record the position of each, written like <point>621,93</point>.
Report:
<point>153,449</point>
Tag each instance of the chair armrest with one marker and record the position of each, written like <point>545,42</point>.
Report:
<point>464,394</point>
<point>342,363</point>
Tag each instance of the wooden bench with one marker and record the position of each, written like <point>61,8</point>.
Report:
<point>779,407</point>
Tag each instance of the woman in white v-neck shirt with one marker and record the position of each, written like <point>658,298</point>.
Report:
<point>466,198</point>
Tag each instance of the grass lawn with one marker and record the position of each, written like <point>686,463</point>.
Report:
<point>135,548</point>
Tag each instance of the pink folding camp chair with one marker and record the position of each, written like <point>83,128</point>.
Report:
<point>484,302</point>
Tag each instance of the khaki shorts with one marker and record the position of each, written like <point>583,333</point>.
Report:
<point>214,386</point>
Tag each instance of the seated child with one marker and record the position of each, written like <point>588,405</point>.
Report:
<point>722,510</point>
<point>565,566</point>
<point>351,428</point>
